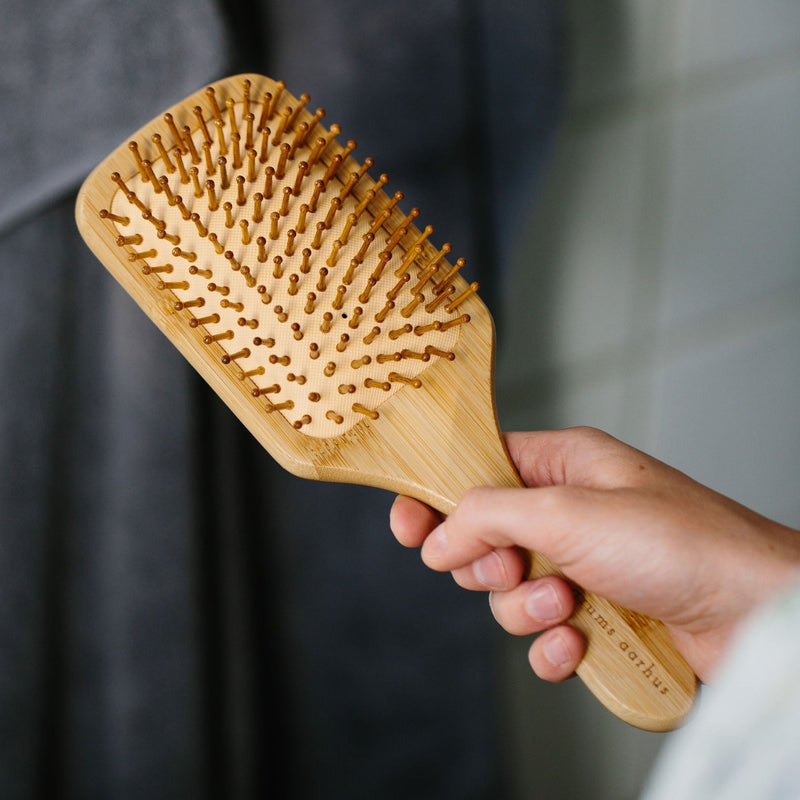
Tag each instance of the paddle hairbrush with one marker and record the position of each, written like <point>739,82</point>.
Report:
<point>344,340</point>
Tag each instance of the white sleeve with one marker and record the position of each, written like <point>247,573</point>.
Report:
<point>742,742</point>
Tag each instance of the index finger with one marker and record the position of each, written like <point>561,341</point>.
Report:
<point>554,521</point>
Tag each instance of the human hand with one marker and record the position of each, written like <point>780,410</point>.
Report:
<point>618,523</point>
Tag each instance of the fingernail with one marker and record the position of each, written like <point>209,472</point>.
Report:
<point>437,541</point>
<point>543,603</point>
<point>491,571</point>
<point>555,651</point>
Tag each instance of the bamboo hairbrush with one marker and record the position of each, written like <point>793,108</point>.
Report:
<point>340,336</point>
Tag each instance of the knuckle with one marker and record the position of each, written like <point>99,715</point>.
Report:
<point>587,436</point>
<point>472,503</point>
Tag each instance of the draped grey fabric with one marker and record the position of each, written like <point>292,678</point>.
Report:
<point>79,76</point>
<point>179,618</point>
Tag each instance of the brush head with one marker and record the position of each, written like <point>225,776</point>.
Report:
<point>303,292</point>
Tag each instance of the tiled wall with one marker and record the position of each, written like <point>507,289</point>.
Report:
<point>657,296</point>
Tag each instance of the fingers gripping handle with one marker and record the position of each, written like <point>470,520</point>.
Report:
<point>630,664</point>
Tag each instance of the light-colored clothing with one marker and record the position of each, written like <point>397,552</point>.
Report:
<point>743,742</point>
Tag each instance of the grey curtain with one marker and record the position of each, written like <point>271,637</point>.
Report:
<point>179,618</point>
